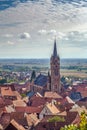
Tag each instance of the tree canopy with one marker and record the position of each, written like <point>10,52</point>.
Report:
<point>82,125</point>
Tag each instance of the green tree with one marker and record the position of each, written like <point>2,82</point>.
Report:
<point>83,122</point>
<point>70,127</point>
<point>56,119</point>
<point>23,95</point>
<point>82,125</point>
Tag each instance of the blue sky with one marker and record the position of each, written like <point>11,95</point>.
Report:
<point>28,28</point>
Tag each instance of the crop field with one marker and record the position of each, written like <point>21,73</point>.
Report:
<point>68,67</point>
<point>73,73</point>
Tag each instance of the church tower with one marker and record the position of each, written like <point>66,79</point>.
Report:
<point>55,70</point>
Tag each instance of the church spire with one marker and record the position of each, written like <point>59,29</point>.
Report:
<point>55,49</point>
<point>55,70</point>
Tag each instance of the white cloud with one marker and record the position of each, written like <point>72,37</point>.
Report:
<point>77,35</point>
<point>71,35</point>
<point>48,32</point>
<point>42,31</point>
<point>53,32</point>
<point>50,40</point>
<point>66,38</point>
<point>25,35</point>
<point>61,35</point>
<point>68,21</point>
<point>8,35</point>
<point>35,15</point>
<point>10,43</point>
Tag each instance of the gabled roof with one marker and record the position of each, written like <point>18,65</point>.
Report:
<point>9,109</point>
<point>82,103</point>
<point>28,109</point>
<point>32,119</point>
<point>19,103</point>
<point>41,80</point>
<point>38,94</point>
<point>16,93</point>
<point>64,113</point>
<point>77,108</point>
<point>19,118</point>
<point>70,118</point>
<point>52,95</point>
<point>5,102</point>
<point>2,103</point>
<point>53,109</point>
<point>40,101</point>
<point>69,100</point>
<point>14,126</point>
<point>7,91</point>
<point>5,119</point>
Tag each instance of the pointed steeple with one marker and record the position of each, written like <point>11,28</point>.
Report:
<point>55,49</point>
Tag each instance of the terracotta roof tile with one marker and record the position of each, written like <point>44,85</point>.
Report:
<point>7,91</point>
<point>39,101</point>
<point>4,102</point>
<point>82,90</point>
<point>53,109</point>
<point>82,103</point>
<point>19,103</point>
<point>5,119</point>
<point>69,119</point>
<point>32,119</point>
<point>19,118</point>
<point>52,95</point>
<point>13,125</point>
<point>29,109</point>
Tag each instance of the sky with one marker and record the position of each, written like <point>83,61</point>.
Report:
<point>28,28</point>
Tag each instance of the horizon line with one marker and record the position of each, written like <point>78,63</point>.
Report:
<point>40,58</point>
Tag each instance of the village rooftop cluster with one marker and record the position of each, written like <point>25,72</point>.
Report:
<point>45,103</point>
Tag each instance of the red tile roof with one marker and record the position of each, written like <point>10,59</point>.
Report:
<point>82,90</point>
<point>81,103</point>
<point>50,94</point>
<point>29,109</point>
<point>39,101</point>
<point>72,117</point>
<point>17,116</point>
<point>4,102</point>
<point>5,119</point>
<point>7,91</point>
<point>13,125</point>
